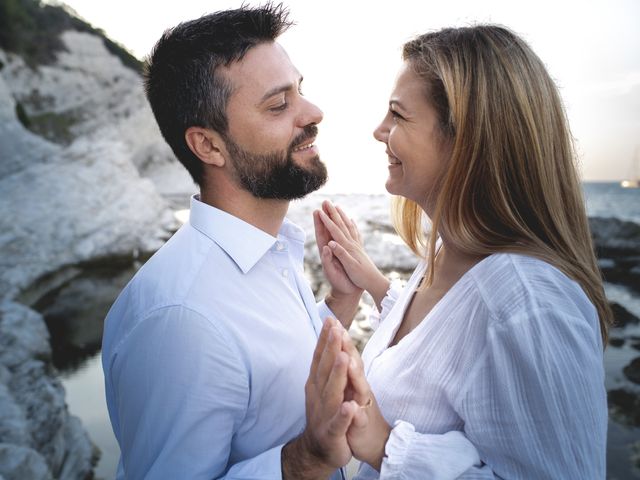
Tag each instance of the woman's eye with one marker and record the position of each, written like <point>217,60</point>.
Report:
<point>395,115</point>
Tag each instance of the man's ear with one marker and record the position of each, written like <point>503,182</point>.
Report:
<point>206,144</point>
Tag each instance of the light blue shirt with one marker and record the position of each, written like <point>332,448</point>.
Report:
<point>207,350</point>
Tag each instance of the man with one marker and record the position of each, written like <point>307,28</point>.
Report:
<point>207,350</point>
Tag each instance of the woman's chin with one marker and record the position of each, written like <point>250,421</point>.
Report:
<point>390,187</point>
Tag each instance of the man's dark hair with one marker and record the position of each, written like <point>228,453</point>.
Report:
<point>181,79</point>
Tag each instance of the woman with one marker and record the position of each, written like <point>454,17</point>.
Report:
<point>488,364</point>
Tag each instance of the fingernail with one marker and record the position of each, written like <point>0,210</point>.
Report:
<point>332,244</point>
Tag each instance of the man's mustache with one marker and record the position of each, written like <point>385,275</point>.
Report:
<point>309,132</point>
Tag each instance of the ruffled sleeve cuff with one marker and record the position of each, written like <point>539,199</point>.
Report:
<point>410,454</point>
<point>396,450</point>
<point>389,300</point>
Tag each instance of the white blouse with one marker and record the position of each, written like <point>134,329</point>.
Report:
<point>502,379</point>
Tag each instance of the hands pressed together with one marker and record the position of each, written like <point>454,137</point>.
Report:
<point>343,417</point>
<point>346,264</point>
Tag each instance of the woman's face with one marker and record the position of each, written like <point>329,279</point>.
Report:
<point>416,149</point>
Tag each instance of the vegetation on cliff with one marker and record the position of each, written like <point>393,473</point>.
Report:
<point>32,28</point>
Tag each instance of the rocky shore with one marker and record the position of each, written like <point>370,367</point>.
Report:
<point>73,197</point>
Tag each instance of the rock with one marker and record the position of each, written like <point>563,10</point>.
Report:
<point>23,336</point>
<point>22,463</point>
<point>53,216</point>
<point>85,452</point>
<point>632,371</point>
<point>74,191</point>
<point>622,316</point>
<point>616,342</point>
<point>35,426</point>
<point>617,245</point>
<point>624,407</point>
<point>615,238</point>
<point>13,423</point>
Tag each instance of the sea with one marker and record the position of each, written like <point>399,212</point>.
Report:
<point>76,312</point>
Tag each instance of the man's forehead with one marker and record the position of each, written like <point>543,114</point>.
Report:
<point>263,68</point>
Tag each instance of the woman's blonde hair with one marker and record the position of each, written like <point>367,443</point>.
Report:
<point>511,184</point>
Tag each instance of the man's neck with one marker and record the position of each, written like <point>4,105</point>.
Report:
<point>265,214</point>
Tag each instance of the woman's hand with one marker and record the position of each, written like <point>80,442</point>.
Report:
<point>344,297</point>
<point>335,273</point>
<point>369,431</point>
<point>342,252</point>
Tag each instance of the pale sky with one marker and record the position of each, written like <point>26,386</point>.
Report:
<point>349,53</point>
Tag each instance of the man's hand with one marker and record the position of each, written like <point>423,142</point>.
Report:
<point>322,447</point>
<point>369,431</point>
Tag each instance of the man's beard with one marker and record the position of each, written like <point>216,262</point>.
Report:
<point>274,175</point>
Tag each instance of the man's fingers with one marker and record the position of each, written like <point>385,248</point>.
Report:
<point>331,264</point>
<point>320,346</point>
<point>327,360</point>
<point>333,391</point>
<point>350,349</point>
<point>322,235</point>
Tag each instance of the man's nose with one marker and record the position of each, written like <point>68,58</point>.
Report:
<point>310,114</point>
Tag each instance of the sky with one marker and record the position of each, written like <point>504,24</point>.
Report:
<point>349,53</point>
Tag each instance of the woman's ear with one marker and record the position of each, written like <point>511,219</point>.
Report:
<point>207,145</point>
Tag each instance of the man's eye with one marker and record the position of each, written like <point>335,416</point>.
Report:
<point>279,108</point>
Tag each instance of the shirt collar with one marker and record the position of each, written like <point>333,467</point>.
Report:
<point>243,242</point>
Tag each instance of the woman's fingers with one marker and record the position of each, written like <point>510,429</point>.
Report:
<point>360,417</point>
<point>334,230</point>
<point>350,224</point>
<point>336,217</point>
<point>333,212</point>
<point>361,389</point>
<point>342,254</point>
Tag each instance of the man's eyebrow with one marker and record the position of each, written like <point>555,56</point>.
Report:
<point>279,89</point>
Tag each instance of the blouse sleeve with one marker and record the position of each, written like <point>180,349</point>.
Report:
<point>376,317</point>
<point>534,406</point>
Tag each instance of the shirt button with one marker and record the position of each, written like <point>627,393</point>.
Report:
<point>285,273</point>
<point>279,246</point>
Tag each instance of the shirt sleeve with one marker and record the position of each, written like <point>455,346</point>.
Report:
<point>182,390</point>
<point>534,406</point>
<point>389,300</point>
<point>324,311</point>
